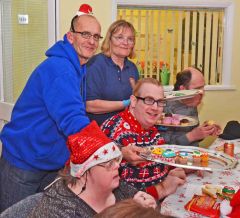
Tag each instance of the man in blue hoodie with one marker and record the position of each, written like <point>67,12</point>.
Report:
<point>50,108</point>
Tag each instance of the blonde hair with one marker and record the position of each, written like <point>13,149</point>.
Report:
<point>115,27</point>
<point>143,81</point>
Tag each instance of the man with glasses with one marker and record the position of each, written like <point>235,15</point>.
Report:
<point>50,108</point>
<point>134,130</point>
<point>190,78</point>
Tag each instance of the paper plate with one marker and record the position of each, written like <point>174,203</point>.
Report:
<point>177,154</point>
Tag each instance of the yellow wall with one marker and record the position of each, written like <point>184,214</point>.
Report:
<point>102,9</point>
<point>220,106</point>
<point>223,106</point>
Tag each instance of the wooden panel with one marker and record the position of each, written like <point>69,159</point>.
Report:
<point>214,48</point>
<point>220,46</point>
<point>207,46</point>
<point>173,28</point>
<point>158,42</point>
<point>186,39</point>
<point>146,44</point>
<point>194,38</point>
<point>151,34</point>
<point>163,31</point>
<point>139,30</point>
<point>179,42</point>
<point>200,39</point>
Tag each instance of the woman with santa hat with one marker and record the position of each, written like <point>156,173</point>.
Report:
<point>90,182</point>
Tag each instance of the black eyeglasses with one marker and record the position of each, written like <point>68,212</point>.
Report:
<point>151,101</point>
<point>88,35</point>
<point>84,34</point>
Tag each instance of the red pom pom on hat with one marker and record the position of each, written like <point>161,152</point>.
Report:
<point>84,9</point>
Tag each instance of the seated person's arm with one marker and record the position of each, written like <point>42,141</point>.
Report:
<point>203,131</point>
<point>102,106</point>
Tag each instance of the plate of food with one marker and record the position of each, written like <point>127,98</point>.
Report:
<point>181,94</point>
<point>190,157</point>
<point>206,199</point>
<point>176,120</point>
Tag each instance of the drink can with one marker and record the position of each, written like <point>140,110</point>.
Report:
<point>229,149</point>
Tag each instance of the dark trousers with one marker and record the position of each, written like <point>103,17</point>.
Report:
<point>16,184</point>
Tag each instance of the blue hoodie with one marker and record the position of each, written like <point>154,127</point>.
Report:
<point>50,108</point>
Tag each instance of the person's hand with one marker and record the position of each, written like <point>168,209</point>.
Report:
<point>170,184</point>
<point>217,131</point>
<point>131,154</point>
<point>145,199</point>
<point>201,132</point>
<point>200,173</point>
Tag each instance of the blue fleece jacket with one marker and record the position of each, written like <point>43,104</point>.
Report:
<point>50,108</point>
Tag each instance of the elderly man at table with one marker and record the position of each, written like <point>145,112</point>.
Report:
<point>134,130</point>
<point>190,78</point>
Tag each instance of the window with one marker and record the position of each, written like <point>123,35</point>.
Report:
<point>27,30</point>
<point>177,35</point>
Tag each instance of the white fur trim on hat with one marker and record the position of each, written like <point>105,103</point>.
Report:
<point>82,13</point>
<point>103,154</point>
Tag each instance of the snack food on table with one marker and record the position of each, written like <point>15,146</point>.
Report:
<point>183,157</point>
<point>205,205</point>
<point>168,153</point>
<point>204,159</point>
<point>158,151</point>
<point>212,190</point>
<point>196,157</point>
<point>210,122</point>
<point>228,192</point>
<point>184,122</point>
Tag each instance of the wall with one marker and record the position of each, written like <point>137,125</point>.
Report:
<point>101,9</point>
<point>223,106</point>
<point>220,106</point>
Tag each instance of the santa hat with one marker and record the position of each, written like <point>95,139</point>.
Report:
<point>90,147</point>
<point>84,9</point>
<point>231,208</point>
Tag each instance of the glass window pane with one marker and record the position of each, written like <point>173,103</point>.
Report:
<point>24,41</point>
<point>177,38</point>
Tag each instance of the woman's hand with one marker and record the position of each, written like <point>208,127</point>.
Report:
<point>145,199</point>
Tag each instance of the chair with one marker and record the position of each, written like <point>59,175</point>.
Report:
<point>22,208</point>
<point>5,116</point>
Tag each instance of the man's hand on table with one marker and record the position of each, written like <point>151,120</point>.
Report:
<point>169,185</point>
<point>131,154</point>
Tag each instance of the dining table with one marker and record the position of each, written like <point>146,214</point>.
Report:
<point>173,205</point>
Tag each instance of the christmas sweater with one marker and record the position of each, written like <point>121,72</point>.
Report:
<point>124,129</point>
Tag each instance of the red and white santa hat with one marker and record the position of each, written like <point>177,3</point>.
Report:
<point>90,147</point>
<point>231,209</point>
<point>84,9</point>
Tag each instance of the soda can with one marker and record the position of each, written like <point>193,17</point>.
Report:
<point>229,149</point>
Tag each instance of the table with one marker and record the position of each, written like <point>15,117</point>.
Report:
<point>173,205</point>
